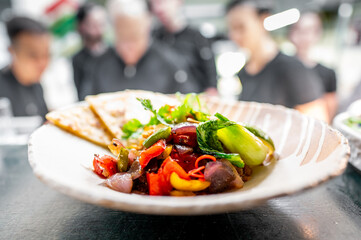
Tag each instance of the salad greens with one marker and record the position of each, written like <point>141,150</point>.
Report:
<point>219,137</point>
<point>168,115</point>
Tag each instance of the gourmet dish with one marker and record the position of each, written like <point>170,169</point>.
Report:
<point>161,145</point>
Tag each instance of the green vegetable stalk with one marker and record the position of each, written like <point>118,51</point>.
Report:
<point>123,160</point>
<point>238,139</point>
<point>162,133</point>
<point>209,144</point>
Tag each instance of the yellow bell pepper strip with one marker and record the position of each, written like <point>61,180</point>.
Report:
<point>187,185</point>
<point>154,151</point>
<point>177,193</point>
<point>115,146</point>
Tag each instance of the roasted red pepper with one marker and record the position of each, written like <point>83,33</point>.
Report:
<point>169,166</point>
<point>154,184</point>
<point>159,183</point>
<point>154,151</point>
<point>105,166</point>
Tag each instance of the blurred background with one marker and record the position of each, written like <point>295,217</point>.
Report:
<point>339,48</point>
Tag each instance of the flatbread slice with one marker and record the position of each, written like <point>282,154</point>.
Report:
<point>115,109</point>
<point>82,122</point>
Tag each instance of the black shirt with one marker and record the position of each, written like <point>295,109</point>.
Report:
<point>197,51</point>
<point>284,81</point>
<point>327,76</point>
<point>84,66</point>
<point>160,69</point>
<point>25,100</point>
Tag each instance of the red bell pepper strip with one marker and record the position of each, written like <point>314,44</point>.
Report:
<point>154,184</point>
<point>154,151</point>
<point>159,183</point>
<point>169,166</point>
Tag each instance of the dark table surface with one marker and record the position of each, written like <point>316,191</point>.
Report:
<point>31,210</point>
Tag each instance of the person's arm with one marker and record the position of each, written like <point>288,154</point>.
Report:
<point>317,109</point>
<point>331,100</point>
<point>331,95</point>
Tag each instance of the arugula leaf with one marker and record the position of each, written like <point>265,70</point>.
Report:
<point>180,113</point>
<point>131,128</point>
<point>191,105</point>
<point>165,113</point>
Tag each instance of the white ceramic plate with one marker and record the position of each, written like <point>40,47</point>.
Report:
<point>310,153</point>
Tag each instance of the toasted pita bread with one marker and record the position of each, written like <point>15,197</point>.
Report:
<point>82,122</point>
<point>115,109</point>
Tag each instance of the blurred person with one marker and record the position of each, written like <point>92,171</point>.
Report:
<point>91,20</point>
<point>305,34</point>
<point>30,52</point>
<point>137,62</point>
<point>269,76</point>
<point>187,41</point>
<point>354,96</point>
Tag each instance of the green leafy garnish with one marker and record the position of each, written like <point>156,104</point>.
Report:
<point>191,107</point>
<point>132,129</point>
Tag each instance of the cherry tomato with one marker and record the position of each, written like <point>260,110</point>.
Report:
<point>105,166</point>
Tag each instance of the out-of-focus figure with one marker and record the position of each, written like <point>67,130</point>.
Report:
<point>187,41</point>
<point>30,53</point>
<point>137,62</point>
<point>269,76</point>
<point>354,96</point>
<point>305,34</point>
<point>91,20</point>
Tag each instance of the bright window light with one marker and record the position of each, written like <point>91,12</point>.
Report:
<point>281,19</point>
<point>345,10</point>
<point>229,63</point>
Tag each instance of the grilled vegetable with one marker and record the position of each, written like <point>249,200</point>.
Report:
<point>209,144</point>
<point>266,139</point>
<point>187,185</point>
<point>154,151</point>
<point>117,148</point>
<point>123,160</point>
<point>105,166</point>
<point>162,133</point>
<point>239,140</point>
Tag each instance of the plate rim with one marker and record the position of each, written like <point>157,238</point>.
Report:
<point>179,210</point>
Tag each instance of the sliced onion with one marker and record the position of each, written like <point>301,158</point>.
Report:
<point>121,182</point>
